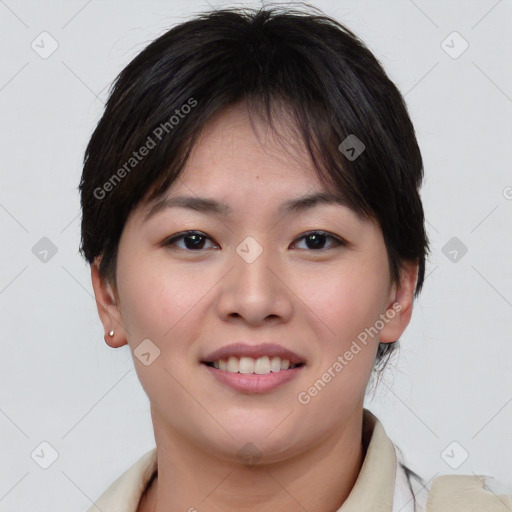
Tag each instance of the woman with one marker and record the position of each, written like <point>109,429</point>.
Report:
<point>229,149</point>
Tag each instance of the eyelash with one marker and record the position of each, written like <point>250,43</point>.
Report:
<point>180,236</point>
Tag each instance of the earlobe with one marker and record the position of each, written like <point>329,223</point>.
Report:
<point>108,309</point>
<point>399,311</point>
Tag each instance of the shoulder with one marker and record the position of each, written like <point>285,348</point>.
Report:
<point>450,493</point>
<point>445,493</point>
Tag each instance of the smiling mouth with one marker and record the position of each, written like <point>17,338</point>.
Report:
<point>248,365</point>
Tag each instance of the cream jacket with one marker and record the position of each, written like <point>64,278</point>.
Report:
<point>383,485</point>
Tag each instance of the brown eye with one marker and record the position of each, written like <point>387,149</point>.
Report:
<point>316,240</point>
<point>192,240</point>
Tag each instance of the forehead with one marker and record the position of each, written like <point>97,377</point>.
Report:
<point>241,165</point>
<point>237,146</point>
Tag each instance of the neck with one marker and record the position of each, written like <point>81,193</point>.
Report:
<point>319,478</point>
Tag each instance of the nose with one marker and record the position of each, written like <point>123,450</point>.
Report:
<point>255,292</point>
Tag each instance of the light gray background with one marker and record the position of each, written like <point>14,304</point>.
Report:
<point>61,383</point>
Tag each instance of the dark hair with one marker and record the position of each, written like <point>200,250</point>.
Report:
<point>277,60</point>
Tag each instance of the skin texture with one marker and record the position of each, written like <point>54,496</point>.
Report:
<point>189,302</point>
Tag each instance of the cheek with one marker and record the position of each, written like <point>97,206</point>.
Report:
<point>158,304</point>
<point>343,365</point>
<point>346,299</point>
<point>153,297</point>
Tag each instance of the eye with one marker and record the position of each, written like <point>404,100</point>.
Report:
<point>316,240</point>
<point>193,240</point>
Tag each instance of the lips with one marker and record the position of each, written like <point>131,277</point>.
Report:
<point>254,351</point>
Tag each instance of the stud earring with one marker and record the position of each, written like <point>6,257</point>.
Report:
<point>111,333</point>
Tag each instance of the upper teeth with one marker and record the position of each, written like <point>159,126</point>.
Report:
<point>260,366</point>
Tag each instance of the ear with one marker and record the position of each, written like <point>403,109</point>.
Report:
<point>399,310</point>
<point>108,307</point>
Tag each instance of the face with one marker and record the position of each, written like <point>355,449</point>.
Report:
<point>308,280</point>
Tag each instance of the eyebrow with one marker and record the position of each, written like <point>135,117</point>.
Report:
<point>206,205</point>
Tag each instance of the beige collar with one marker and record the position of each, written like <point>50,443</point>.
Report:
<point>375,484</point>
